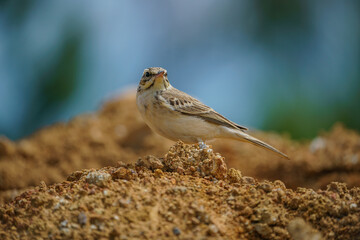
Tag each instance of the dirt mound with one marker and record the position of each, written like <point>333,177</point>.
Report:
<point>189,194</point>
<point>332,156</point>
<point>117,133</point>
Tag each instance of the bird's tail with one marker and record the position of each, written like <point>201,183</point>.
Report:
<point>247,138</point>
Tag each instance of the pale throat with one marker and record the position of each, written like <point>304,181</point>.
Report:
<point>160,84</point>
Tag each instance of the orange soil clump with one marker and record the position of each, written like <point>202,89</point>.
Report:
<point>188,194</point>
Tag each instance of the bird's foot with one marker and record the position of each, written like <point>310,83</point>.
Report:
<point>202,145</point>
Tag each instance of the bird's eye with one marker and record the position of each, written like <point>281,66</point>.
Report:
<point>147,74</point>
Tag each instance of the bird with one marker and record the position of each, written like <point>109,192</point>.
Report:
<point>178,116</point>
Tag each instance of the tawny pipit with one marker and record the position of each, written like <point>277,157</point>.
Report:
<point>178,116</point>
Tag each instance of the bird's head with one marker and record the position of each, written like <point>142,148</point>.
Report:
<point>154,78</point>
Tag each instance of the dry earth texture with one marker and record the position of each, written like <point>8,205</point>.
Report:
<point>185,192</point>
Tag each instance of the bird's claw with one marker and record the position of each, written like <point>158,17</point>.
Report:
<point>202,145</point>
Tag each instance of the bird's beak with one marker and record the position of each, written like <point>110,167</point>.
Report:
<point>160,74</point>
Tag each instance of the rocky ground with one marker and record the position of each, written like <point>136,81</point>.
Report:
<point>134,187</point>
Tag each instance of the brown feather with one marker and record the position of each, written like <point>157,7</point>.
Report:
<point>188,105</point>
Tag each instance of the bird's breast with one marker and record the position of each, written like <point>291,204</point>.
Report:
<point>163,119</point>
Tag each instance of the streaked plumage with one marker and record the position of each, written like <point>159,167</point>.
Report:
<point>178,116</point>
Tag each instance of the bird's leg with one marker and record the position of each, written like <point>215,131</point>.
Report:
<point>202,145</point>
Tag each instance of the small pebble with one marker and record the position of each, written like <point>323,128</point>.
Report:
<point>82,218</point>
<point>99,178</point>
<point>353,206</point>
<point>176,231</point>
<point>213,230</point>
<point>63,223</point>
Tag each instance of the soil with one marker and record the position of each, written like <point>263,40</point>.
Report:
<point>106,175</point>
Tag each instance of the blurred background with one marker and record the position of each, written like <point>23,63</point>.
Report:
<point>286,66</point>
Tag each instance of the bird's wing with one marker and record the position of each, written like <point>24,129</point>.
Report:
<point>188,105</point>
